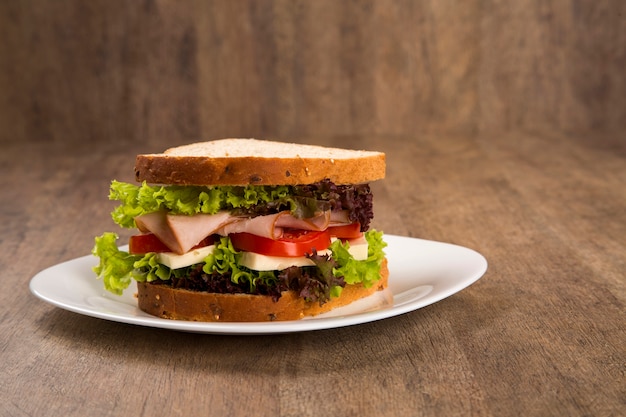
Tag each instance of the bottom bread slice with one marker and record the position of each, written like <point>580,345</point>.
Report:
<point>180,304</point>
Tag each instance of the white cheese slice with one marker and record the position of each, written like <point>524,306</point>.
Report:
<point>175,261</point>
<point>358,248</point>
<point>259,262</point>
<point>256,261</point>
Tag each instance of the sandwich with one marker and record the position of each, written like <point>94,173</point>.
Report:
<point>246,230</point>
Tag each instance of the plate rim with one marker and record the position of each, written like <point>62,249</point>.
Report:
<point>280,327</point>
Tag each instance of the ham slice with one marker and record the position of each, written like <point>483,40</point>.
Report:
<point>272,225</point>
<point>157,223</point>
<point>319,222</point>
<point>180,233</point>
<point>189,230</point>
<point>339,218</point>
<point>264,226</point>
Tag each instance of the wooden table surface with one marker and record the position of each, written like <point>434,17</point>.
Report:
<point>542,333</point>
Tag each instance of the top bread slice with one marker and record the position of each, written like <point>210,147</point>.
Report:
<point>258,162</point>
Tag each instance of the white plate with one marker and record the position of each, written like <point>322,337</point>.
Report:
<point>421,272</point>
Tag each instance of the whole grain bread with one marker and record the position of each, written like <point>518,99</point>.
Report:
<point>258,162</point>
<point>180,304</point>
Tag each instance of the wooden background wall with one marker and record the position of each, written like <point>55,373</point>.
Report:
<point>109,70</point>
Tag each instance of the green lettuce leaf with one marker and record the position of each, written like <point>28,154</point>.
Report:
<point>137,200</point>
<point>251,200</point>
<point>353,271</point>
<point>117,268</point>
<point>224,261</point>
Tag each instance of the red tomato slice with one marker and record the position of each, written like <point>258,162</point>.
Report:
<point>148,242</point>
<point>349,231</point>
<point>294,243</point>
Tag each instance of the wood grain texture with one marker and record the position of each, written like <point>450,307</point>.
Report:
<point>542,333</point>
<point>553,65</point>
<point>138,71</point>
<point>503,125</point>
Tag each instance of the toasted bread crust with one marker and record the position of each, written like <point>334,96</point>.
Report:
<point>179,304</point>
<point>259,163</point>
